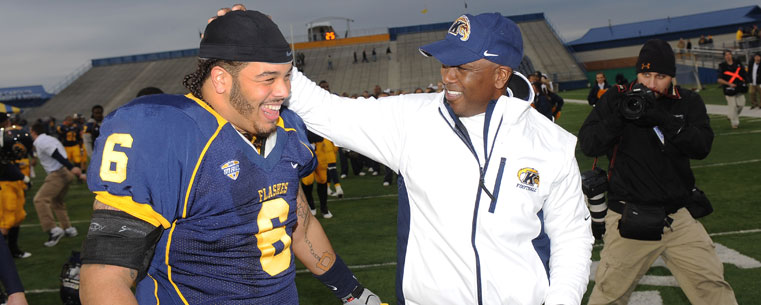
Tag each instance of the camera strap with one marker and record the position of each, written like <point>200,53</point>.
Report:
<point>612,160</point>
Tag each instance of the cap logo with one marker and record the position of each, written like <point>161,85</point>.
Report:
<point>461,27</point>
<point>645,66</point>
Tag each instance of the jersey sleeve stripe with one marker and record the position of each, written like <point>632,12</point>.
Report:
<point>140,210</point>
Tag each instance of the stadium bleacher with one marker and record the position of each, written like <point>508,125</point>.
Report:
<point>112,82</point>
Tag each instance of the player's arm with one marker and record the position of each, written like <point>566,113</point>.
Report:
<point>113,259</point>
<point>313,249</point>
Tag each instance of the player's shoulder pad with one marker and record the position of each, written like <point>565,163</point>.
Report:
<point>164,112</point>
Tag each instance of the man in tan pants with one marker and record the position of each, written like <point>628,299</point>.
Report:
<point>650,181</point>
<point>52,192</point>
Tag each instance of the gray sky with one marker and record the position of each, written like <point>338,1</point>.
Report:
<point>45,41</point>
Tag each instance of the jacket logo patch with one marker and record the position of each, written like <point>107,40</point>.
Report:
<point>528,179</point>
<point>461,27</point>
<point>231,169</point>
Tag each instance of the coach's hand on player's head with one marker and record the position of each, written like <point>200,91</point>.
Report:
<point>221,12</point>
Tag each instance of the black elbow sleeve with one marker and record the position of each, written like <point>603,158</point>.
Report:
<point>119,239</point>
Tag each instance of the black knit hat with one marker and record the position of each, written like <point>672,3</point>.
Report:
<point>245,36</point>
<point>656,56</point>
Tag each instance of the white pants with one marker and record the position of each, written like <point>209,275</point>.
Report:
<point>735,105</point>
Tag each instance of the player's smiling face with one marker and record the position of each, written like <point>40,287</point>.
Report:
<point>257,94</point>
<point>470,87</point>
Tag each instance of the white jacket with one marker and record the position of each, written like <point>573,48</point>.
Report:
<point>456,245</point>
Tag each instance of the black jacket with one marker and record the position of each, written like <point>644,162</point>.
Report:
<point>592,97</point>
<point>750,73</point>
<point>645,170</point>
<point>734,73</point>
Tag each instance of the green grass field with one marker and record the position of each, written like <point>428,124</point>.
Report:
<point>363,230</point>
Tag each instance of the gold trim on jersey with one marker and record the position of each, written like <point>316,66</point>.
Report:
<point>155,289</point>
<point>140,210</point>
<point>220,123</point>
<point>204,105</point>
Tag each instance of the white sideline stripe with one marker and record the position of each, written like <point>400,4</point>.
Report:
<point>646,298</point>
<point>357,267</point>
<point>27,225</point>
<point>733,133</point>
<point>727,163</point>
<point>33,291</point>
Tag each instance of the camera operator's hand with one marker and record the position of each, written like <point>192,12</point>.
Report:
<point>658,116</point>
<point>598,230</point>
<point>653,116</point>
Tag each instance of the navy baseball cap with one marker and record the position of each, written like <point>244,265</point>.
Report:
<point>470,38</point>
<point>245,36</point>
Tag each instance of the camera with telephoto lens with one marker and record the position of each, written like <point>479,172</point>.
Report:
<point>594,182</point>
<point>636,101</point>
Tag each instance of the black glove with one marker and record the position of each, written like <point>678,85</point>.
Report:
<point>653,116</point>
<point>598,230</point>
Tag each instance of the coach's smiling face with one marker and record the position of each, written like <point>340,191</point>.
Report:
<point>470,87</point>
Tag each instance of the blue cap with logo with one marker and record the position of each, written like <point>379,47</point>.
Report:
<point>470,38</point>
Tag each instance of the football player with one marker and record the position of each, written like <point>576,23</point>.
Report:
<point>199,201</point>
<point>70,134</point>
<point>14,176</point>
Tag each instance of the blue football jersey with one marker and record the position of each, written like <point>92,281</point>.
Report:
<point>228,213</point>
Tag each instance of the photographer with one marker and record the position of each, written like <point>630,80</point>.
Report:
<point>649,132</point>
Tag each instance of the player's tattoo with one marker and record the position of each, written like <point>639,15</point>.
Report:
<point>326,261</point>
<point>304,217</point>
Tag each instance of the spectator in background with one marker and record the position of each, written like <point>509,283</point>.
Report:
<point>375,55</point>
<point>388,52</point>
<point>418,90</point>
<point>732,79</point>
<point>439,86</point>
<point>355,57</point>
<point>149,91</point>
<point>689,46</point>
<point>598,89</point>
<point>377,90</point>
<point>754,81</point>
<point>621,80</point>
<point>364,55</point>
<point>92,128</point>
<point>681,45</point>
<point>52,192</point>
<point>702,41</point>
<point>330,62</point>
<point>365,94</point>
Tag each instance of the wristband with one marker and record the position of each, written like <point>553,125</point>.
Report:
<point>339,279</point>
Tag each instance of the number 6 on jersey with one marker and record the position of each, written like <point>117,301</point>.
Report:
<point>119,173</point>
